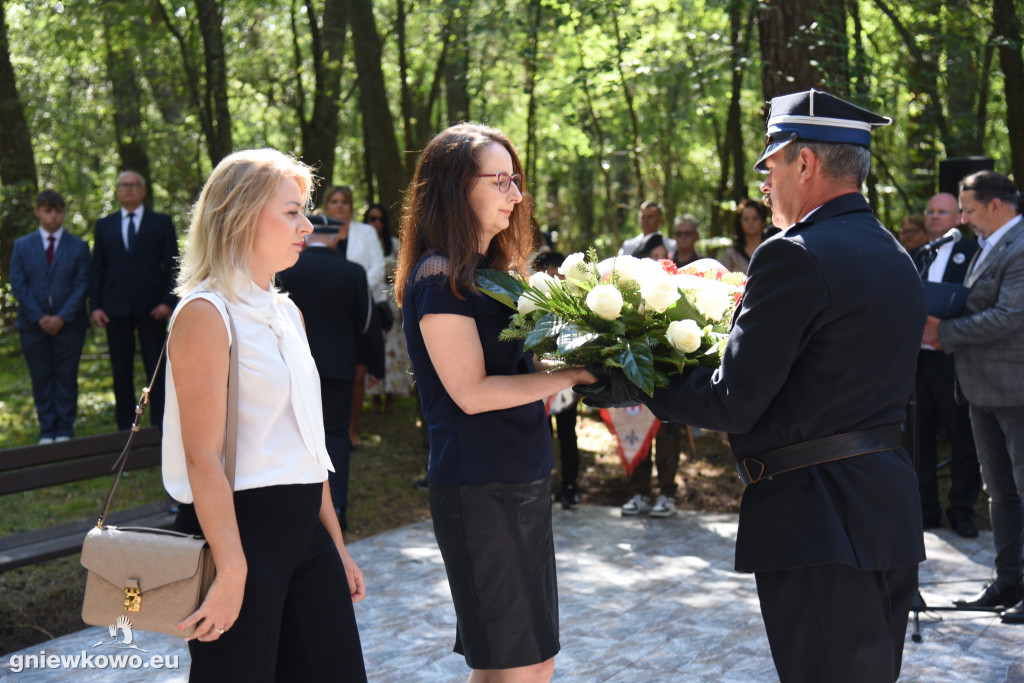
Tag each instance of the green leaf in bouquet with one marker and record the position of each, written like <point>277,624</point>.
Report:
<point>500,286</point>
<point>683,309</point>
<point>637,362</point>
<point>574,336</point>
<point>548,327</point>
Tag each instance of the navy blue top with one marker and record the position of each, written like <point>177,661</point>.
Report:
<point>510,446</point>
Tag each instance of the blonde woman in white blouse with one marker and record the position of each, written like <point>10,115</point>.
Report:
<point>281,605</point>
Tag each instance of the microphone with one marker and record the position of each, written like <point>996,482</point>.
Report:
<point>954,235</point>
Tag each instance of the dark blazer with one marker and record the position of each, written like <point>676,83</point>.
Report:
<point>336,306</point>
<point>824,341</point>
<point>988,339</point>
<point>133,284</point>
<point>956,273</point>
<point>57,289</point>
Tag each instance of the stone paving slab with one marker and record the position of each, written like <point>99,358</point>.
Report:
<point>641,600</point>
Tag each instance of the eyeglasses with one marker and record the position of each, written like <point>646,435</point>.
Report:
<point>129,186</point>
<point>375,218</point>
<point>938,212</point>
<point>685,233</point>
<point>504,180</point>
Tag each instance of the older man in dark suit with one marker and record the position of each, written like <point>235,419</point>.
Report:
<point>336,307</point>
<point>134,266</point>
<point>988,342</point>
<point>49,278</point>
<point>812,390</point>
<point>936,405</point>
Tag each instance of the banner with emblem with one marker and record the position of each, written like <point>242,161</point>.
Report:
<point>634,429</point>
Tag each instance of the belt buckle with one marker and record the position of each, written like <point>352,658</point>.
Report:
<point>761,469</point>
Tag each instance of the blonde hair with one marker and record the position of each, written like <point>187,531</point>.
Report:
<point>223,228</point>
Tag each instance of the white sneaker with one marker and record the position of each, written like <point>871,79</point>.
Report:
<point>60,439</point>
<point>637,505</point>
<point>663,507</point>
<point>45,440</point>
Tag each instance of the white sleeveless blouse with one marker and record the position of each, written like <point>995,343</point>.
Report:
<point>280,416</point>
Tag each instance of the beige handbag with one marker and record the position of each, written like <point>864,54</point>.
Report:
<point>153,577</point>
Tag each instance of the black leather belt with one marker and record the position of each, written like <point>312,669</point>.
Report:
<point>817,451</point>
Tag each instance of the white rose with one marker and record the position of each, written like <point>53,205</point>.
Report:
<point>659,292</point>
<point>526,305</point>
<point>684,335</point>
<point>605,301</point>
<point>627,268</point>
<point>542,282</point>
<point>575,269</point>
<point>712,302</point>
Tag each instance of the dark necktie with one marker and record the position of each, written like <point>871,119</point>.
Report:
<point>131,232</point>
<point>49,250</point>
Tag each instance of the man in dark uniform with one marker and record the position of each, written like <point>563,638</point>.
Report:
<point>936,403</point>
<point>812,389</point>
<point>336,307</point>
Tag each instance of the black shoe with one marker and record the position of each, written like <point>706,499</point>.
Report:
<point>422,484</point>
<point>932,522</point>
<point>995,595</point>
<point>569,499</point>
<point>1014,615</point>
<point>964,527</point>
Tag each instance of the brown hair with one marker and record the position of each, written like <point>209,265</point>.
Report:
<point>437,215</point>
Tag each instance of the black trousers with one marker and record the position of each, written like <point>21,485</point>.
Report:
<point>836,623</point>
<point>336,398</point>
<point>297,621</point>
<point>569,450</point>
<point>121,340</point>
<point>936,408</point>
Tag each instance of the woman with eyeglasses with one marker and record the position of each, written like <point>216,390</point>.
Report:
<point>490,449</point>
<point>749,223</point>
<point>398,368</point>
<point>357,242</point>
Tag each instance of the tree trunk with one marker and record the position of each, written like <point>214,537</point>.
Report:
<point>416,106</point>
<point>456,68</point>
<point>803,45</point>
<point>382,145</point>
<point>731,153</point>
<point>125,94</point>
<point>17,162</point>
<point>1008,30</point>
<point>216,93</point>
<point>627,92</point>
<point>320,132</point>
<point>531,90</point>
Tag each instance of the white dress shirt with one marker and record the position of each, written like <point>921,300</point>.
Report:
<point>136,216</point>
<point>280,418</point>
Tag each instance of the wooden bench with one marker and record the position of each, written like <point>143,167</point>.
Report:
<point>27,468</point>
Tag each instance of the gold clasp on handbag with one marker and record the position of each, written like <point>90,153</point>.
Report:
<point>132,596</point>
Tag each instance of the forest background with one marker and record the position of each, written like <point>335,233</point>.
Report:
<point>610,102</point>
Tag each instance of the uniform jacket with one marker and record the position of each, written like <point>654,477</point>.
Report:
<point>824,342</point>
<point>336,308</point>
<point>988,340</point>
<point>633,243</point>
<point>57,289</point>
<point>123,284</point>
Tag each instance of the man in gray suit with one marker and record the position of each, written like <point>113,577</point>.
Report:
<point>988,340</point>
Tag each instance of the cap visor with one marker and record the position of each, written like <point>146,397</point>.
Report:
<point>770,149</point>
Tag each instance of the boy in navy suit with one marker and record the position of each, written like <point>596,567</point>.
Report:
<point>50,277</point>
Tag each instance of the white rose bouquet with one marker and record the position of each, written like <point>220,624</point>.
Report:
<point>646,317</point>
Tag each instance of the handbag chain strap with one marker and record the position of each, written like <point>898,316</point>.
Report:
<point>230,434</point>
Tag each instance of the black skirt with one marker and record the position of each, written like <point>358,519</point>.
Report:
<point>499,553</point>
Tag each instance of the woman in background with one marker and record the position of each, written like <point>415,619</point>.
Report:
<point>748,232</point>
<point>280,607</point>
<point>490,449</point>
<point>397,366</point>
<point>357,242</point>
